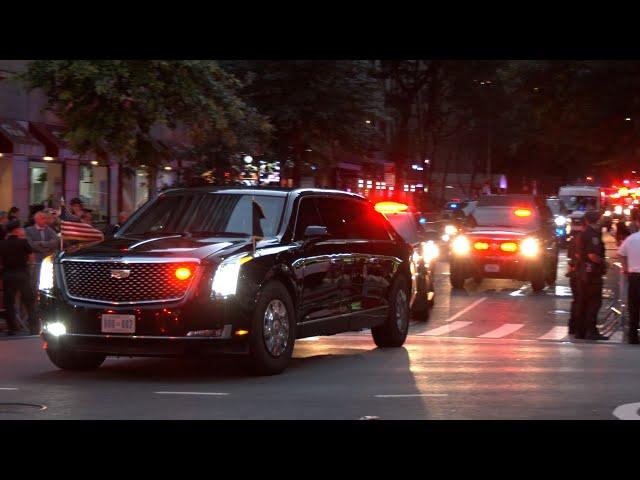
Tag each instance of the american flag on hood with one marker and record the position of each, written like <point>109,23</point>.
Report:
<point>79,231</point>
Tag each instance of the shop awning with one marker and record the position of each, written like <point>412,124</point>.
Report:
<point>55,144</point>
<point>16,139</point>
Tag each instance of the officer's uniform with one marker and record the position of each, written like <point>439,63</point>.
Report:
<point>589,275</point>
<point>631,250</point>
<point>577,226</point>
<point>14,256</point>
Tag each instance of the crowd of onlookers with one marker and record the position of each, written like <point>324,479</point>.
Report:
<point>22,249</point>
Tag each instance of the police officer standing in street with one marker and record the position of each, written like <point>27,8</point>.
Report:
<point>577,227</point>
<point>591,269</point>
<point>15,256</point>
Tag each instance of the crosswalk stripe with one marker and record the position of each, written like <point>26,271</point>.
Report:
<point>556,333</point>
<point>445,328</point>
<point>465,310</point>
<point>503,330</point>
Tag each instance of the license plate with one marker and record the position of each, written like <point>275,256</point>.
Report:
<point>114,323</point>
<point>492,268</point>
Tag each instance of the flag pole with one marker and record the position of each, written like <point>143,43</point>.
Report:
<point>253,234</point>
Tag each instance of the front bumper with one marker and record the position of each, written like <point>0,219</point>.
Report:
<point>159,330</point>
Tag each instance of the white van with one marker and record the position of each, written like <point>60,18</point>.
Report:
<point>578,197</point>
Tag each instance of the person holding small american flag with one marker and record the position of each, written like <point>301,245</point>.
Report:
<point>73,226</point>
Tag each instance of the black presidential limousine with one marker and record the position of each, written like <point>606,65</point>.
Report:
<point>225,270</point>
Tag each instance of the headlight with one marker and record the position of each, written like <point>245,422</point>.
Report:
<point>617,210</point>
<point>607,213</point>
<point>430,251</point>
<point>561,221</point>
<point>461,245</point>
<point>627,211</point>
<point>225,280</point>
<point>450,230</point>
<point>446,238</point>
<point>45,282</point>
<point>530,247</point>
<point>56,328</point>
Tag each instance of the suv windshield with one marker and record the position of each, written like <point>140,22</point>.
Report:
<point>406,226</point>
<point>209,214</point>
<point>579,202</point>
<point>501,217</point>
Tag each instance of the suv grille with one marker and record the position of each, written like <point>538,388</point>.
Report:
<point>145,283</point>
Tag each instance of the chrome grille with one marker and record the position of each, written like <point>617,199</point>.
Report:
<point>146,282</point>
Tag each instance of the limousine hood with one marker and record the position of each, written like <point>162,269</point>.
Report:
<point>163,246</point>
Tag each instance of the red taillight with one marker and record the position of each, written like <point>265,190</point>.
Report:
<point>481,246</point>
<point>183,273</point>
<point>509,247</point>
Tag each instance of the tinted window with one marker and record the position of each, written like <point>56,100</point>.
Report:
<point>307,215</point>
<point>335,213</point>
<point>367,223</point>
<point>501,217</point>
<point>209,213</point>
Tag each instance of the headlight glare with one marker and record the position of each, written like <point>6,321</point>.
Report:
<point>530,247</point>
<point>450,230</point>
<point>461,245</point>
<point>45,282</point>
<point>561,221</point>
<point>430,251</point>
<point>225,280</point>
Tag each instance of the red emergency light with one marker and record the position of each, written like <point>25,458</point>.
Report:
<point>390,207</point>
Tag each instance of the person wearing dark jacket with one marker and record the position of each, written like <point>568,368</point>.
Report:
<point>577,226</point>
<point>15,256</point>
<point>591,268</point>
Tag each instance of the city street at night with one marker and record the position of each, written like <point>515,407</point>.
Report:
<point>493,351</point>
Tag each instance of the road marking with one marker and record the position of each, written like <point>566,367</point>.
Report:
<point>215,394</point>
<point>503,331</point>
<point>9,389</point>
<point>463,311</point>
<point>413,395</point>
<point>445,328</point>
<point>556,333</point>
<point>628,411</point>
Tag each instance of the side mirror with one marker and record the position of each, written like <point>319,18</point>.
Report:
<point>315,232</point>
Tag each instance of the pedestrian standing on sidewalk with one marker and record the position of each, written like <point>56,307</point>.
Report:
<point>577,227</point>
<point>629,252</point>
<point>43,240</point>
<point>15,256</point>
<point>591,269</point>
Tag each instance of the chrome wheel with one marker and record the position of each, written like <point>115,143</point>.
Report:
<point>275,327</point>
<point>402,310</point>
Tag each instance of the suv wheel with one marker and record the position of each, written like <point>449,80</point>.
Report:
<point>273,330</point>
<point>538,279</point>
<point>70,360</point>
<point>456,278</point>
<point>552,275</point>
<point>393,332</point>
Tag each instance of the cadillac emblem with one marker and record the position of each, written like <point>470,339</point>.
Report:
<point>120,274</point>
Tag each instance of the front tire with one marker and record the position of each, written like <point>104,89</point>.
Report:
<point>393,332</point>
<point>273,330</point>
<point>457,279</point>
<point>538,280</point>
<point>78,361</point>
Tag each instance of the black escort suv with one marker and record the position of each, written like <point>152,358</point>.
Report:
<point>221,270</point>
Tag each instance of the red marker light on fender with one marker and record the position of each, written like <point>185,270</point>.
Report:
<point>183,273</point>
<point>390,207</point>
<point>522,212</point>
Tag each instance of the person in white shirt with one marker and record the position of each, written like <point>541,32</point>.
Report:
<point>629,252</point>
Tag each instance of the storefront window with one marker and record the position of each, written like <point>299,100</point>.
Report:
<point>142,188</point>
<point>45,183</point>
<point>94,190</point>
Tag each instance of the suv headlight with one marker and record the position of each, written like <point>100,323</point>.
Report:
<point>225,280</point>
<point>461,245</point>
<point>561,221</point>
<point>450,230</point>
<point>430,251</point>
<point>530,247</point>
<point>45,282</point>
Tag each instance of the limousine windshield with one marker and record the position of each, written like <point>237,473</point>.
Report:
<point>209,213</point>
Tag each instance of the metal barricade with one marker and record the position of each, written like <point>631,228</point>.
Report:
<point>615,318</point>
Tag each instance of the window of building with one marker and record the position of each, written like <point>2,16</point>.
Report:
<point>94,190</point>
<point>46,183</point>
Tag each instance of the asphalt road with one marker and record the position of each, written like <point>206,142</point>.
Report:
<point>493,351</point>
